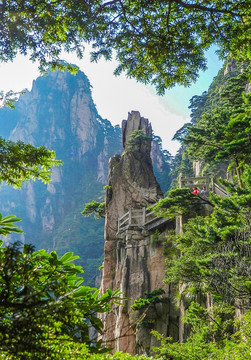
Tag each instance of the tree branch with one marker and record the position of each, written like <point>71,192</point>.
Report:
<point>125,16</point>
<point>220,31</point>
<point>109,3</point>
<point>168,15</point>
<point>21,306</point>
<point>205,8</point>
<point>205,201</point>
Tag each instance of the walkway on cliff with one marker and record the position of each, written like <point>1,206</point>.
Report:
<point>146,219</point>
<point>143,218</point>
<point>201,181</point>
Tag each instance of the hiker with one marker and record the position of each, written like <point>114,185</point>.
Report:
<point>204,190</point>
<point>195,191</point>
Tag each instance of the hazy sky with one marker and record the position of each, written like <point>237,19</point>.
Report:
<point>116,96</point>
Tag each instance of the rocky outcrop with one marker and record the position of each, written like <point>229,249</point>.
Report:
<point>59,113</point>
<point>131,179</point>
<point>132,261</point>
<point>230,66</point>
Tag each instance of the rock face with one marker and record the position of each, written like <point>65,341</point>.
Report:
<point>132,262</point>
<point>230,66</point>
<point>131,178</point>
<point>59,113</point>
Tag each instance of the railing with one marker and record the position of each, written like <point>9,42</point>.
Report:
<point>201,181</point>
<point>143,216</point>
<point>135,217</point>
<point>219,190</point>
<point>190,182</point>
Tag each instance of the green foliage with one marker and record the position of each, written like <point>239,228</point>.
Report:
<point>137,139</point>
<point>221,129</point>
<point>163,42</point>
<point>238,347</point>
<point>211,258</point>
<point>151,298</point>
<point>209,263</point>
<point>178,202</point>
<point>118,356</point>
<point>181,164</point>
<point>156,239</point>
<point>20,162</point>
<point>96,208</point>
<point>44,310</point>
<point>197,346</point>
<point>9,98</point>
<point>7,226</point>
<point>157,42</point>
<point>213,253</point>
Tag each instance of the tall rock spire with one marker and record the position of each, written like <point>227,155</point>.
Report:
<point>132,183</point>
<point>131,264</point>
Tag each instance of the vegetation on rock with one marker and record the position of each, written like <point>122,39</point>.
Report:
<point>198,346</point>
<point>221,132</point>
<point>96,208</point>
<point>209,262</point>
<point>150,298</point>
<point>137,140</point>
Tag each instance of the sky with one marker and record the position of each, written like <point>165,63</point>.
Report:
<point>114,96</point>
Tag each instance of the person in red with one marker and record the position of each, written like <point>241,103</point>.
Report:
<point>195,190</point>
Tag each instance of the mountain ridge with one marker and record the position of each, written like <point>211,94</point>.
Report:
<point>59,113</point>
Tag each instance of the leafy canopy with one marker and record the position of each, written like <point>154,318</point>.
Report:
<point>209,262</point>
<point>20,162</point>
<point>213,253</point>
<point>220,128</point>
<point>45,312</point>
<point>7,226</point>
<point>197,346</point>
<point>158,42</point>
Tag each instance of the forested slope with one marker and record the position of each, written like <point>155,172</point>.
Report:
<point>209,262</point>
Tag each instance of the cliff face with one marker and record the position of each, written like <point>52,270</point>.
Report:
<point>59,113</point>
<point>132,262</point>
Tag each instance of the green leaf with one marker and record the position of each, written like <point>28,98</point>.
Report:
<point>67,257</point>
